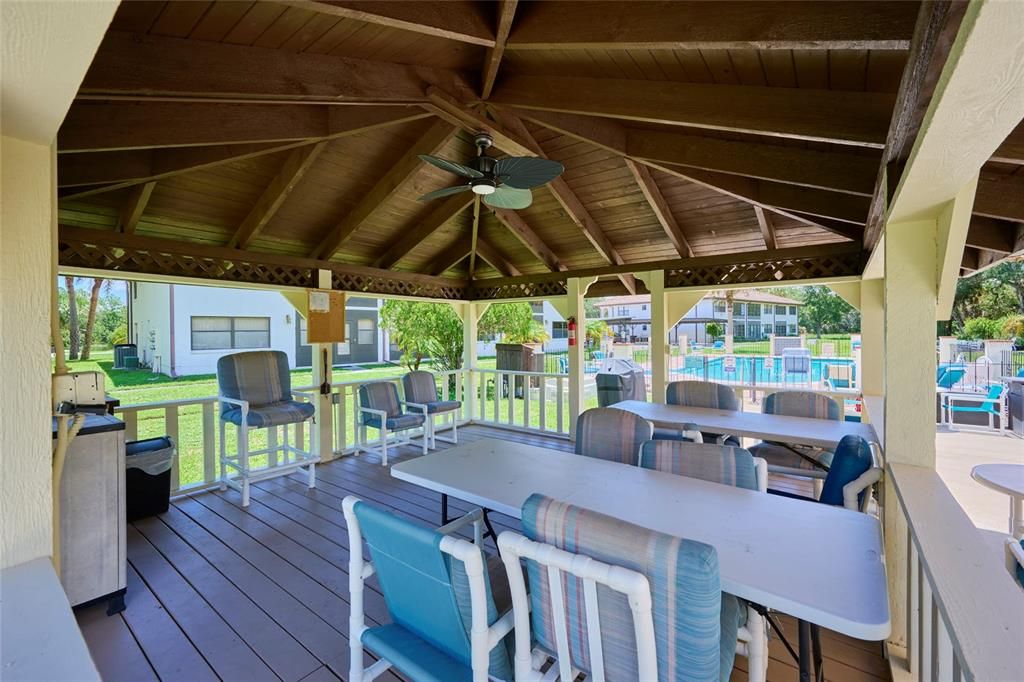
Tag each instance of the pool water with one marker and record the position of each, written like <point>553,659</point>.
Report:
<point>757,370</point>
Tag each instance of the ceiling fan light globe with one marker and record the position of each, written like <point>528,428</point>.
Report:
<point>483,188</point>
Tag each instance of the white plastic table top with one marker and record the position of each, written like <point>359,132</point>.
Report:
<point>815,562</point>
<point>821,433</point>
<point>1006,478</point>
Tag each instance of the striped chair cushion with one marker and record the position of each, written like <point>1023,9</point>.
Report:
<point>261,377</point>
<point>379,395</point>
<point>419,387</point>
<point>287,412</point>
<point>499,601</point>
<point>701,394</point>
<point>706,461</point>
<point>685,590</point>
<point>615,435</point>
<point>801,404</point>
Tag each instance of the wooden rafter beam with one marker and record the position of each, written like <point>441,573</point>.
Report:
<point>447,107</point>
<point>715,25</point>
<point>496,259</point>
<point>992,235</point>
<point>612,136</point>
<point>1012,148</point>
<point>436,136</point>
<point>660,207</point>
<point>451,255</point>
<point>856,118</point>
<point>134,207</point>
<point>442,212</point>
<point>492,60</point>
<point>460,21</point>
<point>126,168</point>
<point>935,30</point>
<point>1000,196</point>
<point>294,167</point>
<point>524,233</point>
<point>764,221</point>
<point>146,66</point>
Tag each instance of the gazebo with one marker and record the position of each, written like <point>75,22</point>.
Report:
<point>875,147</point>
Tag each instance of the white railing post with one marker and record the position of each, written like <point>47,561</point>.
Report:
<point>209,442</point>
<point>470,314</point>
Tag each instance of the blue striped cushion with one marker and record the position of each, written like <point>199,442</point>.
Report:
<point>379,395</point>
<point>261,377</point>
<point>607,433</point>
<point>289,412</point>
<point>500,662</point>
<point>701,394</point>
<point>706,461</point>
<point>685,590</point>
<point>801,404</point>
<point>443,406</point>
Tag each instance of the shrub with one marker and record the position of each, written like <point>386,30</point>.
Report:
<point>980,328</point>
<point>714,330</point>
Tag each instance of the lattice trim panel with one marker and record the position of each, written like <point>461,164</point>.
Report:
<point>395,284</point>
<point>154,261</point>
<point>481,291</point>
<point>760,272</point>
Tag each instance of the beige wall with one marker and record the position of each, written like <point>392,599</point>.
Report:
<point>25,223</point>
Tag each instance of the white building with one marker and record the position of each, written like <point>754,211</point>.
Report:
<point>182,330</point>
<point>756,314</point>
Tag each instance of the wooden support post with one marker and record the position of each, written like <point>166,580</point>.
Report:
<point>321,436</point>
<point>577,287</point>
<point>655,281</point>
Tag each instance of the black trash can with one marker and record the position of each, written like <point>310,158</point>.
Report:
<point>147,477</point>
<point>121,352</point>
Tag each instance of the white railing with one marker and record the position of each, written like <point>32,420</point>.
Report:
<point>527,401</point>
<point>965,613</point>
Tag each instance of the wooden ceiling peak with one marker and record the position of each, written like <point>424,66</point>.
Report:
<point>442,212</point>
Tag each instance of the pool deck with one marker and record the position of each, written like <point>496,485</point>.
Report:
<point>957,452</point>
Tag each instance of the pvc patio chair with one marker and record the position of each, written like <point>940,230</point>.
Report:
<point>610,434</point>
<point>255,393</point>
<point>990,404</point>
<point>704,394</point>
<point>421,393</point>
<point>1015,558</point>
<point>948,377</point>
<point>442,595</point>
<point>853,472</point>
<point>797,460</point>
<point>729,466</point>
<point>380,408</point>
<point>615,601</point>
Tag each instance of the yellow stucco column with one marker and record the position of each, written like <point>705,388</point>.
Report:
<point>872,335</point>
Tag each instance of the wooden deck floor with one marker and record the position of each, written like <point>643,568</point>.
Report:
<point>220,592</point>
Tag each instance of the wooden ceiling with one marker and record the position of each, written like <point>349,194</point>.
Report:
<point>687,129</point>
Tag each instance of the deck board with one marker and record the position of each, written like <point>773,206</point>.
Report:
<point>218,591</point>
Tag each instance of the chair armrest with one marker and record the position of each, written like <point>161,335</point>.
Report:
<point>244,404</point>
<point>380,413</point>
<point>307,395</point>
<point>855,487</point>
<point>414,406</point>
<point>452,526</point>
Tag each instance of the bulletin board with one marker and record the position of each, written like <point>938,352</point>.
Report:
<point>326,321</point>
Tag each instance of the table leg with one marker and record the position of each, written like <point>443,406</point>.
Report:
<point>444,509</point>
<point>819,669</point>
<point>804,629</point>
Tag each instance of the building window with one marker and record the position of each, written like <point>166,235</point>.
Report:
<point>780,310</point>
<point>792,330</point>
<point>753,310</point>
<point>719,306</point>
<point>623,311</point>
<point>755,331</point>
<point>740,331</point>
<point>364,331</point>
<point>230,333</point>
<point>780,329</point>
<point>559,330</point>
<point>792,310</point>
<point>643,328</point>
<point>737,309</point>
<point>643,307</point>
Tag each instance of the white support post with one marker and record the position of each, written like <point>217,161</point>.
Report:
<point>577,287</point>
<point>470,314</point>
<point>321,436</point>
<point>655,281</point>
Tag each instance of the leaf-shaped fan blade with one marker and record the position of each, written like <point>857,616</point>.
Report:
<point>525,172</point>
<point>438,193</point>
<point>509,197</point>
<point>451,166</point>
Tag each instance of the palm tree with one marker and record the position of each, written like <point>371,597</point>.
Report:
<point>728,320</point>
<point>73,330</point>
<point>90,321</point>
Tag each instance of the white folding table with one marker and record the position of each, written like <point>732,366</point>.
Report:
<point>819,433</point>
<point>820,564</point>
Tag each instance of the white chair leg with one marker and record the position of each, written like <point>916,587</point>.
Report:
<point>455,429</point>
<point>243,460</point>
<point>311,483</point>
<point>223,454</point>
<point>757,648</point>
<point>383,445</point>
<point>427,434</point>
<point>245,491</point>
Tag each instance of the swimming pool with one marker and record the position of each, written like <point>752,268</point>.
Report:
<point>753,370</point>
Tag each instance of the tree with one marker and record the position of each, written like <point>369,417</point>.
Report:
<point>981,328</point>
<point>714,330</point>
<point>90,320</point>
<point>514,322</point>
<point>73,331</point>
<point>596,331</point>
<point>825,312</point>
<point>992,294</point>
<point>424,330</point>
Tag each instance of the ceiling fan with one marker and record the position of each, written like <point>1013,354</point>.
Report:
<point>501,183</point>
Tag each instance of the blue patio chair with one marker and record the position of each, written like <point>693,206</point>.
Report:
<point>448,604</point>
<point>990,404</point>
<point>791,459</point>
<point>610,434</point>
<point>657,599</point>
<point>703,394</point>
<point>718,345</point>
<point>948,377</point>
<point>563,364</point>
<point>852,473</point>
<point>729,466</point>
<point>255,392</point>
<point>421,393</point>
<point>380,408</point>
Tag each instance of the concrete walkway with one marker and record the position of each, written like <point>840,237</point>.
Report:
<point>957,453</point>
